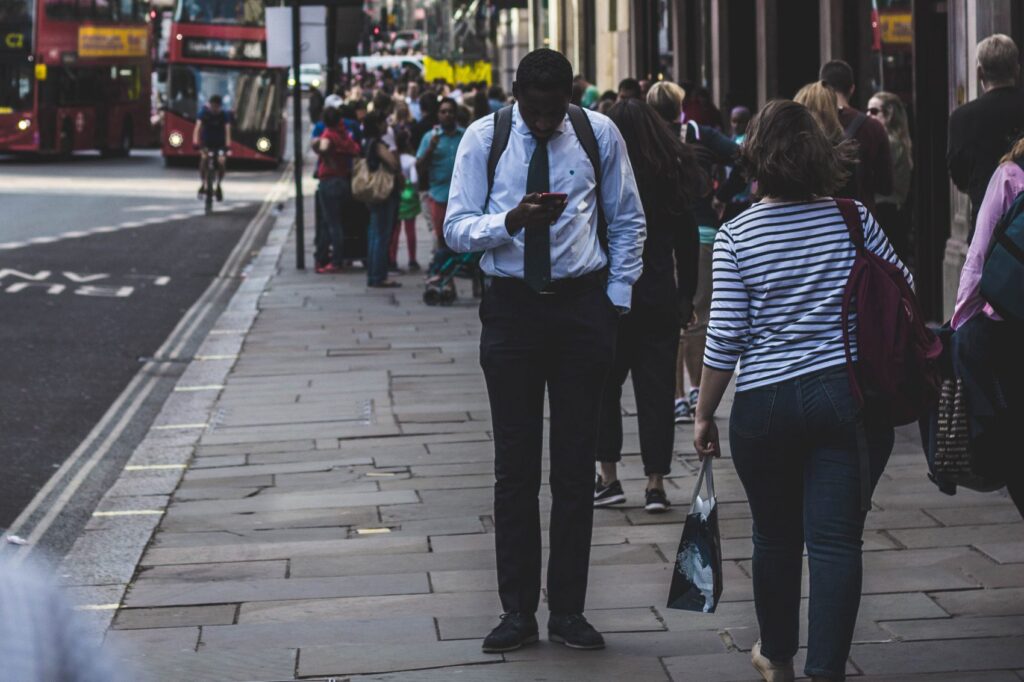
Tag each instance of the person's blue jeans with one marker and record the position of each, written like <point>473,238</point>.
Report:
<point>378,239</point>
<point>794,445</point>
<point>331,196</point>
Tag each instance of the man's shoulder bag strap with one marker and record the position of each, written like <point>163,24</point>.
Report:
<point>502,131</point>
<point>588,140</point>
<point>851,130</point>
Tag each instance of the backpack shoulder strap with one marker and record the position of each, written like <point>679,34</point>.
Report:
<point>499,141</point>
<point>851,130</point>
<point>584,130</point>
<point>588,140</point>
<point>851,216</point>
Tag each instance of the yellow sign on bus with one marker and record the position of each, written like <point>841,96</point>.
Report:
<point>897,29</point>
<point>104,41</point>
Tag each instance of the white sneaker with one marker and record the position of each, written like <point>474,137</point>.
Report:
<point>684,412</point>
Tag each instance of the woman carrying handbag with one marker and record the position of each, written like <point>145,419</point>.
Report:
<point>373,183</point>
<point>780,271</point>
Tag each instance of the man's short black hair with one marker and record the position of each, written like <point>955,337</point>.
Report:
<point>631,85</point>
<point>441,101</point>
<point>545,69</point>
<point>838,75</point>
<point>332,117</point>
<point>216,100</point>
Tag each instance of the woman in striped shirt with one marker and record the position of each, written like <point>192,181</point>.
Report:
<point>779,273</point>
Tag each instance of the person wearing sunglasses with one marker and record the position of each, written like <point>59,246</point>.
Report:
<point>891,209</point>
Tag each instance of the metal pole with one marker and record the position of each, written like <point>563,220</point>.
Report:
<point>300,222</point>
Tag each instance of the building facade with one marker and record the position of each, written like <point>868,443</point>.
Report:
<point>749,51</point>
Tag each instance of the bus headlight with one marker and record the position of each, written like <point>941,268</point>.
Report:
<point>263,144</point>
<point>24,124</point>
<point>291,82</point>
<point>175,139</point>
<point>315,83</point>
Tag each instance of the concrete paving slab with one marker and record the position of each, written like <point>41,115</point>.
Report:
<point>283,550</point>
<point>236,570</point>
<point>327,632</point>
<point>175,616</point>
<point>358,660</point>
<point>939,656</point>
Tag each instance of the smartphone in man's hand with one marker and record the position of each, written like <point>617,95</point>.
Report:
<point>554,197</point>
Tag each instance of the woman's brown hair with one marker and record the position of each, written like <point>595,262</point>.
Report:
<point>790,156</point>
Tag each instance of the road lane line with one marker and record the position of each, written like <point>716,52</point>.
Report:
<point>189,389</point>
<point>131,399</point>
<point>154,467</point>
<point>178,427</point>
<point>129,512</point>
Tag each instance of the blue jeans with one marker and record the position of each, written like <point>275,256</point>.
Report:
<point>332,195</point>
<point>378,239</point>
<point>794,446</point>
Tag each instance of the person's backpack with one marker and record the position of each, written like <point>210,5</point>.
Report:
<point>588,140</point>
<point>896,375</point>
<point>1002,277</point>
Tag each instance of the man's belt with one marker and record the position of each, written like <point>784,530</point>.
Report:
<point>568,286</point>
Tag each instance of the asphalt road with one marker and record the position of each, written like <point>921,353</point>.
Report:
<point>99,259</point>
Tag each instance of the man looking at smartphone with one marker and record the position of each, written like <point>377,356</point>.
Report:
<point>435,160</point>
<point>549,318</point>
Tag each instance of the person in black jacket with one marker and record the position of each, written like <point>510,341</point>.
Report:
<point>980,132</point>
<point>669,178</point>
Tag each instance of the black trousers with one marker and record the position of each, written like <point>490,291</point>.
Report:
<point>564,343</point>
<point>646,348</point>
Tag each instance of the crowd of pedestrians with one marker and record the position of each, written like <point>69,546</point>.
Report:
<point>744,245</point>
<point>638,233</point>
<point>400,127</point>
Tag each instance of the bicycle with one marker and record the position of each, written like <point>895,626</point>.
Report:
<point>210,176</point>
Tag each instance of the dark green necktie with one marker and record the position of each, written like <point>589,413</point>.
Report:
<point>537,254</point>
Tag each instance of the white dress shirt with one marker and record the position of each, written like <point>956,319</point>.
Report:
<point>575,248</point>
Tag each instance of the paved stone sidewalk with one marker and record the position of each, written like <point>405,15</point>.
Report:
<point>335,522</point>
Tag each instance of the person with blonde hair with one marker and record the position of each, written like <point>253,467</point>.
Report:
<point>821,101</point>
<point>891,209</point>
<point>713,149</point>
<point>980,132</point>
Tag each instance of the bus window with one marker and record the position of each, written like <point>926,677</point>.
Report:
<point>232,12</point>
<point>15,86</point>
<point>101,9</point>
<point>182,91</point>
<point>16,12</point>
<point>61,9</point>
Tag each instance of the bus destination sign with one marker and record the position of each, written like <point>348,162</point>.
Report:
<point>194,47</point>
<point>108,41</point>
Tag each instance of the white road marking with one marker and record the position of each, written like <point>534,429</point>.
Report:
<point>208,358</point>
<point>42,240</point>
<point>152,467</point>
<point>161,281</point>
<point>97,607</point>
<point>129,512</point>
<point>178,427</point>
<point>189,389</point>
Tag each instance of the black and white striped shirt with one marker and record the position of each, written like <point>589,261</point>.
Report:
<point>779,274</point>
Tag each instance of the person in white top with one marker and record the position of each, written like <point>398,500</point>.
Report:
<point>550,317</point>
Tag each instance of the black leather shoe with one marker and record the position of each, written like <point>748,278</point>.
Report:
<point>574,631</point>
<point>514,631</point>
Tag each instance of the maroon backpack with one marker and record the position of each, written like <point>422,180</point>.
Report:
<point>896,374</point>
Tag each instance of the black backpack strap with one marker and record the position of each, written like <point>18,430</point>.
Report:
<point>499,141</point>
<point>588,140</point>
<point>851,130</point>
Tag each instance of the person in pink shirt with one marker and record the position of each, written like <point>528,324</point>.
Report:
<point>995,343</point>
<point>1006,183</point>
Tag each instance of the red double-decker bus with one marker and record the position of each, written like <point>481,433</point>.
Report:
<point>219,47</point>
<point>74,74</point>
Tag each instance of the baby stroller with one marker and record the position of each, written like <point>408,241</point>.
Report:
<point>445,267</point>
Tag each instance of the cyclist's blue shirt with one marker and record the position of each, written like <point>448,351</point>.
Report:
<point>214,131</point>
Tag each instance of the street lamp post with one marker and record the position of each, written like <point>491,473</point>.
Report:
<point>300,218</point>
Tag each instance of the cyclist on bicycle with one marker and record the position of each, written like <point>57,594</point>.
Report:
<point>213,131</point>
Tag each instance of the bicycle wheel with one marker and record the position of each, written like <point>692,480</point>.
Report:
<point>210,175</point>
